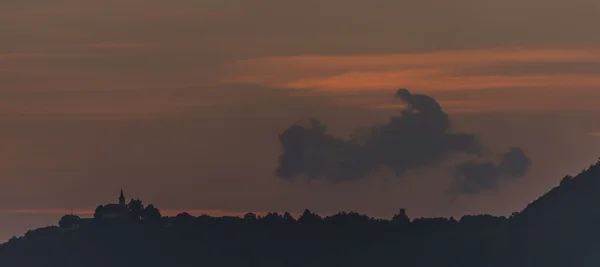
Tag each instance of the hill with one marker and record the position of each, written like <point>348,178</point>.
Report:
<point>561,228</point>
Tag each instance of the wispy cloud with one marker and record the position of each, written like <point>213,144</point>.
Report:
<point>436,71</point>
<point>32,11</point>
<point>483,56</point>
<point>597,134</point>
<point>14,55</point>
<point>387,103</point>
<point>42,55</point>
<point>357,81</point>
<point>197,14</point>
<point>117,45</point>
<point>105,104</point>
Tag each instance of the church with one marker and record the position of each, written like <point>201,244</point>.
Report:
<point>113,211</point>
<point>109,212</point>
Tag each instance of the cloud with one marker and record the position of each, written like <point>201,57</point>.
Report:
<point>466,57</point>
<point>18,55</point>
<point>434,80</point>
<point>116,45</point>
<point>310,151</point>
<point>476,74</point>
<point>450,106</point>
<point>433,72</point>
<point>34,12</point>
<point>148,103</point>
<point>420,136</point>
<point>473,177</point>
<point>594,134</point>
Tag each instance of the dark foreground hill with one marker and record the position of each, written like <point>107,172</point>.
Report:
<point>561,228</point>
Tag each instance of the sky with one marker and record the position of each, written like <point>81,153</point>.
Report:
<point>181,102</point>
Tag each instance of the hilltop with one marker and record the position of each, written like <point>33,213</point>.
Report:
<point>560,228</point>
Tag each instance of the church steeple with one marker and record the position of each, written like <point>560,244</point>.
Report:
<point>122,198</point>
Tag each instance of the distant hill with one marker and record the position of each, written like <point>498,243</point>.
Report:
<point>561,228</point>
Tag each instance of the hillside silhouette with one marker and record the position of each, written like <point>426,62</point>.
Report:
<point>561,228</point>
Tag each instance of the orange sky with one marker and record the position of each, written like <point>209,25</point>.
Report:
<point>181,101</point>
<point>431,72</point>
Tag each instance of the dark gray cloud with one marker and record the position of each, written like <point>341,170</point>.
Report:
<point>309,150</point>
<point>514,163</point>
<point>420,136</point>
<point>473,177</point>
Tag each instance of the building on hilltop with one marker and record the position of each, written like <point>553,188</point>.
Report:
<point>113,211</point>
<point>108,212</point>
<point>73,222</point>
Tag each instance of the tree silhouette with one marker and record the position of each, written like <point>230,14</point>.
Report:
<point>98,213</point>
<point>250,217</point>
<point>136,209</point>
<point>401,218</point>
<point>287,217</point>
<point>151,214</point>
<point>565,180</point>
<point>183,219</point>
<point>309,218</point>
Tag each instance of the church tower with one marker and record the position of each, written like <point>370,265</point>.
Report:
<point>122,198</point>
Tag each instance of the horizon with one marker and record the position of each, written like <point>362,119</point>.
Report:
<point>223,214</point>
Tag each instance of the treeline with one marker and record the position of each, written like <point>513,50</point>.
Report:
<point>343,239</point>
<point>561,228</point>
